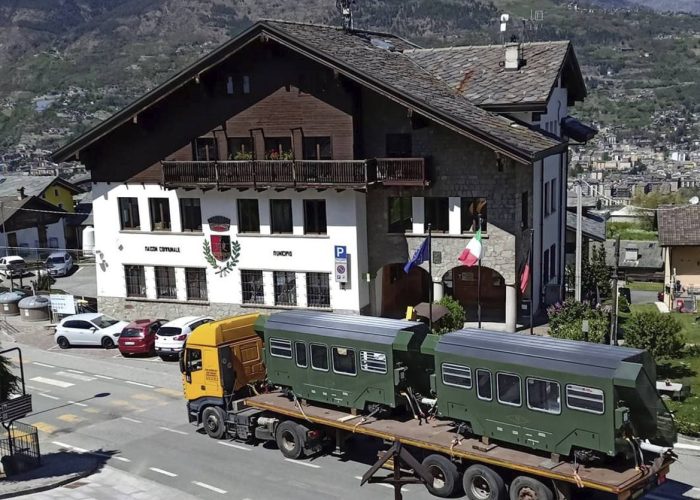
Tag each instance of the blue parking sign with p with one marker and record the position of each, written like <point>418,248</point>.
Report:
<point>341,252</point>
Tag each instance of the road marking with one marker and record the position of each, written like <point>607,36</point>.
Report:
<point>169,392</point>
<point>70,418</point>
<point>31,387</point>
<point>79,269</point>
<point>140,384</point>
<point>75,371</point>
<point>237,446</point>
<point>44,427</point>
<point>164,472</point>
<point>95,453</point>
<point>75,376</point>
<point>132,420</point>
<point>53,348</point>
<point>77,404</point>
<point>173,430</point>
<point>305,464</point>
<point>209,487</point>
<point>50,381</point>
<point>48,396</point>
<point>104,377</point>
<point>70,447</point>
<point>121,459</point>
<point>43,364</point>
<point>92,410</point>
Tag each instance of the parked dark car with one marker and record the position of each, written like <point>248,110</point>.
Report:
<point>139,337</point>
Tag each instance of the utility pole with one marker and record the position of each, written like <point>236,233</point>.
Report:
<point>579,243</point>
<point>616,301</point>
<point>4,233</point>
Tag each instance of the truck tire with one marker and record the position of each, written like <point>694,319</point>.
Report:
<point>214,421</point>
<point>482,483</point>
<point>528,488</point>
<point>445,474</point>
<point>290,438</point>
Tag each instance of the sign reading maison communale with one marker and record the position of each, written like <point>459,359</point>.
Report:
<point>163,249</point>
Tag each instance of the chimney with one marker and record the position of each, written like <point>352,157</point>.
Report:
<point>514,56</point>
<point>20,194</point>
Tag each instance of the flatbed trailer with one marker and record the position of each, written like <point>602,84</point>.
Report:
<point>567,479</point>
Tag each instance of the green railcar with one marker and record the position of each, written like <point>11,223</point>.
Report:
<point>349,361</point>
<point>549,394</point>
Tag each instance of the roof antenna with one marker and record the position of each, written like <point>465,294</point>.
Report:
<point>345,8</point>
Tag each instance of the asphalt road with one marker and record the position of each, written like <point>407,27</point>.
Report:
<point>131,412</point>
<point>80,282</point>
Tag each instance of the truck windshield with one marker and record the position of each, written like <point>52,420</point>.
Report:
<point>169,331</point>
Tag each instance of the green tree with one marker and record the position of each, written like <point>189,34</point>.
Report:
<point>566,321</point>
<point>454,320</point>
<point>8,380</point>
<point>660,334</point>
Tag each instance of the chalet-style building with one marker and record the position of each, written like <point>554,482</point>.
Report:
<point>299,165</point>
<point>30,226</point>
<point>679,236</point>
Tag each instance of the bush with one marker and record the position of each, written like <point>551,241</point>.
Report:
<point>660,334</point>
<point>452,321</point>
<point>622,305</point>
<point>566,321</point>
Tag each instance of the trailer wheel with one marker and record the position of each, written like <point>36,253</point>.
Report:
<point>214,420</point>
<point>445,475</point>
<point>528,488</point>
<point>483,483</point>
<point>290,438</point>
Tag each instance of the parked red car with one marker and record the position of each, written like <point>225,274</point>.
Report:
<point>139,337</point>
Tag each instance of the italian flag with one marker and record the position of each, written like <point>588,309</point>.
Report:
<point>472,253</point>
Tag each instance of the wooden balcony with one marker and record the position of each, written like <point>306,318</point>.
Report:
<point>261,174</point>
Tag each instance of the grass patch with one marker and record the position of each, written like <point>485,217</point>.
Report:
<point>645,286</point>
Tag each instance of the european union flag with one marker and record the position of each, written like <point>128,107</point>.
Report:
<point>421,254</point>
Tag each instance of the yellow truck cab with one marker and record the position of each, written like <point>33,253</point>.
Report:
<point>219,362</point>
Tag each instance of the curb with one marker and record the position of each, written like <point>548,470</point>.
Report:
<point>688,447</point>
<point>56,484</point>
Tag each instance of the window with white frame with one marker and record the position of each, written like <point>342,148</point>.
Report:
<point>344,361</point>
<point>508,389</point>
<point>318,292</point>
<point>252,288</point>
<point>135,281</point>
<point>584,398</point>
<point>285,288</point>
<point>166,287</point>
<point>373,362</point>
<point>457,375</point>
<point>281,348</point>
<point>543,395</point>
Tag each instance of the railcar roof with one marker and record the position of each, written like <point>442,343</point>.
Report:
<point>540,352</point>
<point>343,326</point>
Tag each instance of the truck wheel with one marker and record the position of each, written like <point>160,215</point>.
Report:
<point>483,483</point>
<point>290,438</point>
<point>527,488</point>
<point>214,420</point>
<point>445,475</point>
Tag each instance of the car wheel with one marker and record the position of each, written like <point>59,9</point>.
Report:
<point>214,420</point>
<point>445,475</point>
<point>107,343</point>
<point>63,342</point>
<point>290,438</point>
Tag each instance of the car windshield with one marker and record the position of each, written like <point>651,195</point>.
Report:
<point>56,260</point>
<point>132,333</point>
<point>169,331</point>
<point>104,321</point>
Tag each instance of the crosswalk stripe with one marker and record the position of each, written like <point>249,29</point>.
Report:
<point>75,376</point>
<point>50,381</point>
<point>42,364</point>
<point>48,396</point>
<point>70,418</point>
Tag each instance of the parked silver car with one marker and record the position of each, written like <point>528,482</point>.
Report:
<point>59,263</point>
<point>13,266</point>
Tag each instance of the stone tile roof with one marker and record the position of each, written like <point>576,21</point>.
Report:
<point>591,227</point>
<point>679,225</point>
<point>477,72</point>
<point>649,254</point>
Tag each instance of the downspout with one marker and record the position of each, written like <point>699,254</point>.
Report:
<point>562,209</point>
<point>542,285</point>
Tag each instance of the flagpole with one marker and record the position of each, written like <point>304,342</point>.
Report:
<point>478,280</point>
<point>430,272</point>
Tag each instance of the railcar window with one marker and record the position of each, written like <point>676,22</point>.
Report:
<point>543,395</point>
<point>457,375</point>
<point>586,399</point>
<point>319,357</point>
<point>483,385</point>
<point>508,388</point>
<point>373,362</point>
<point>344,361</point>
<point>281,348</point>
<point>300,353</point>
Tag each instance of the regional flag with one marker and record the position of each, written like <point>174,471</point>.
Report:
<point>525,275</point>
<point>472,253</point>
<point>421,254</point>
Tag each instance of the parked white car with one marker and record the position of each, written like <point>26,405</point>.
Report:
<point>13,266</point>
<point>59,263</point>
<point>171,337</point>
<point>89,329</point>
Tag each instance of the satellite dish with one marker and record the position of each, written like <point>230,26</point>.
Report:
<point>694,200</point>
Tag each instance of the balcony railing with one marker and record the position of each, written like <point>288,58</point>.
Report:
<point>354,174</point>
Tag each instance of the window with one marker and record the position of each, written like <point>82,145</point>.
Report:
<point>248,216</point>
<point>252,287</point>
<point>278,148</point>
<point>318,293</point>
<point>285,288</point>
<point>246,84</point>
<point>543,395</point>
<point>191,214</point>
<point>135,281</point>
<point>205,149</point>
<point>315,217</point>
<point>281,348</point>
<point>553,261</point>
<point>456,375</point>
<point>55,192</point>
<point>317,148</point>
<point>82,325</point>
<point>373,362</point>
<point>400,214</point>
<point>300,354</point>
<point>585,399</point>
<point>524,210</point>
<point>319,357</point>
<point>229,85</point>
<point>129,213</point>
<point>165,283</point>
<point>160,214</point>
<point>281,216</point>
<point>196,282</point>
<point>194,360</point>
<point>240,148</point>
<point>437,213</point>
<point>508,388</point>
<point>344,361</point>
<point>483,385</point>
<point>545,266</point>
<point>553,193</point>
<point>546,198</point>
<point>398,146</point>
<point>472,209</point>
